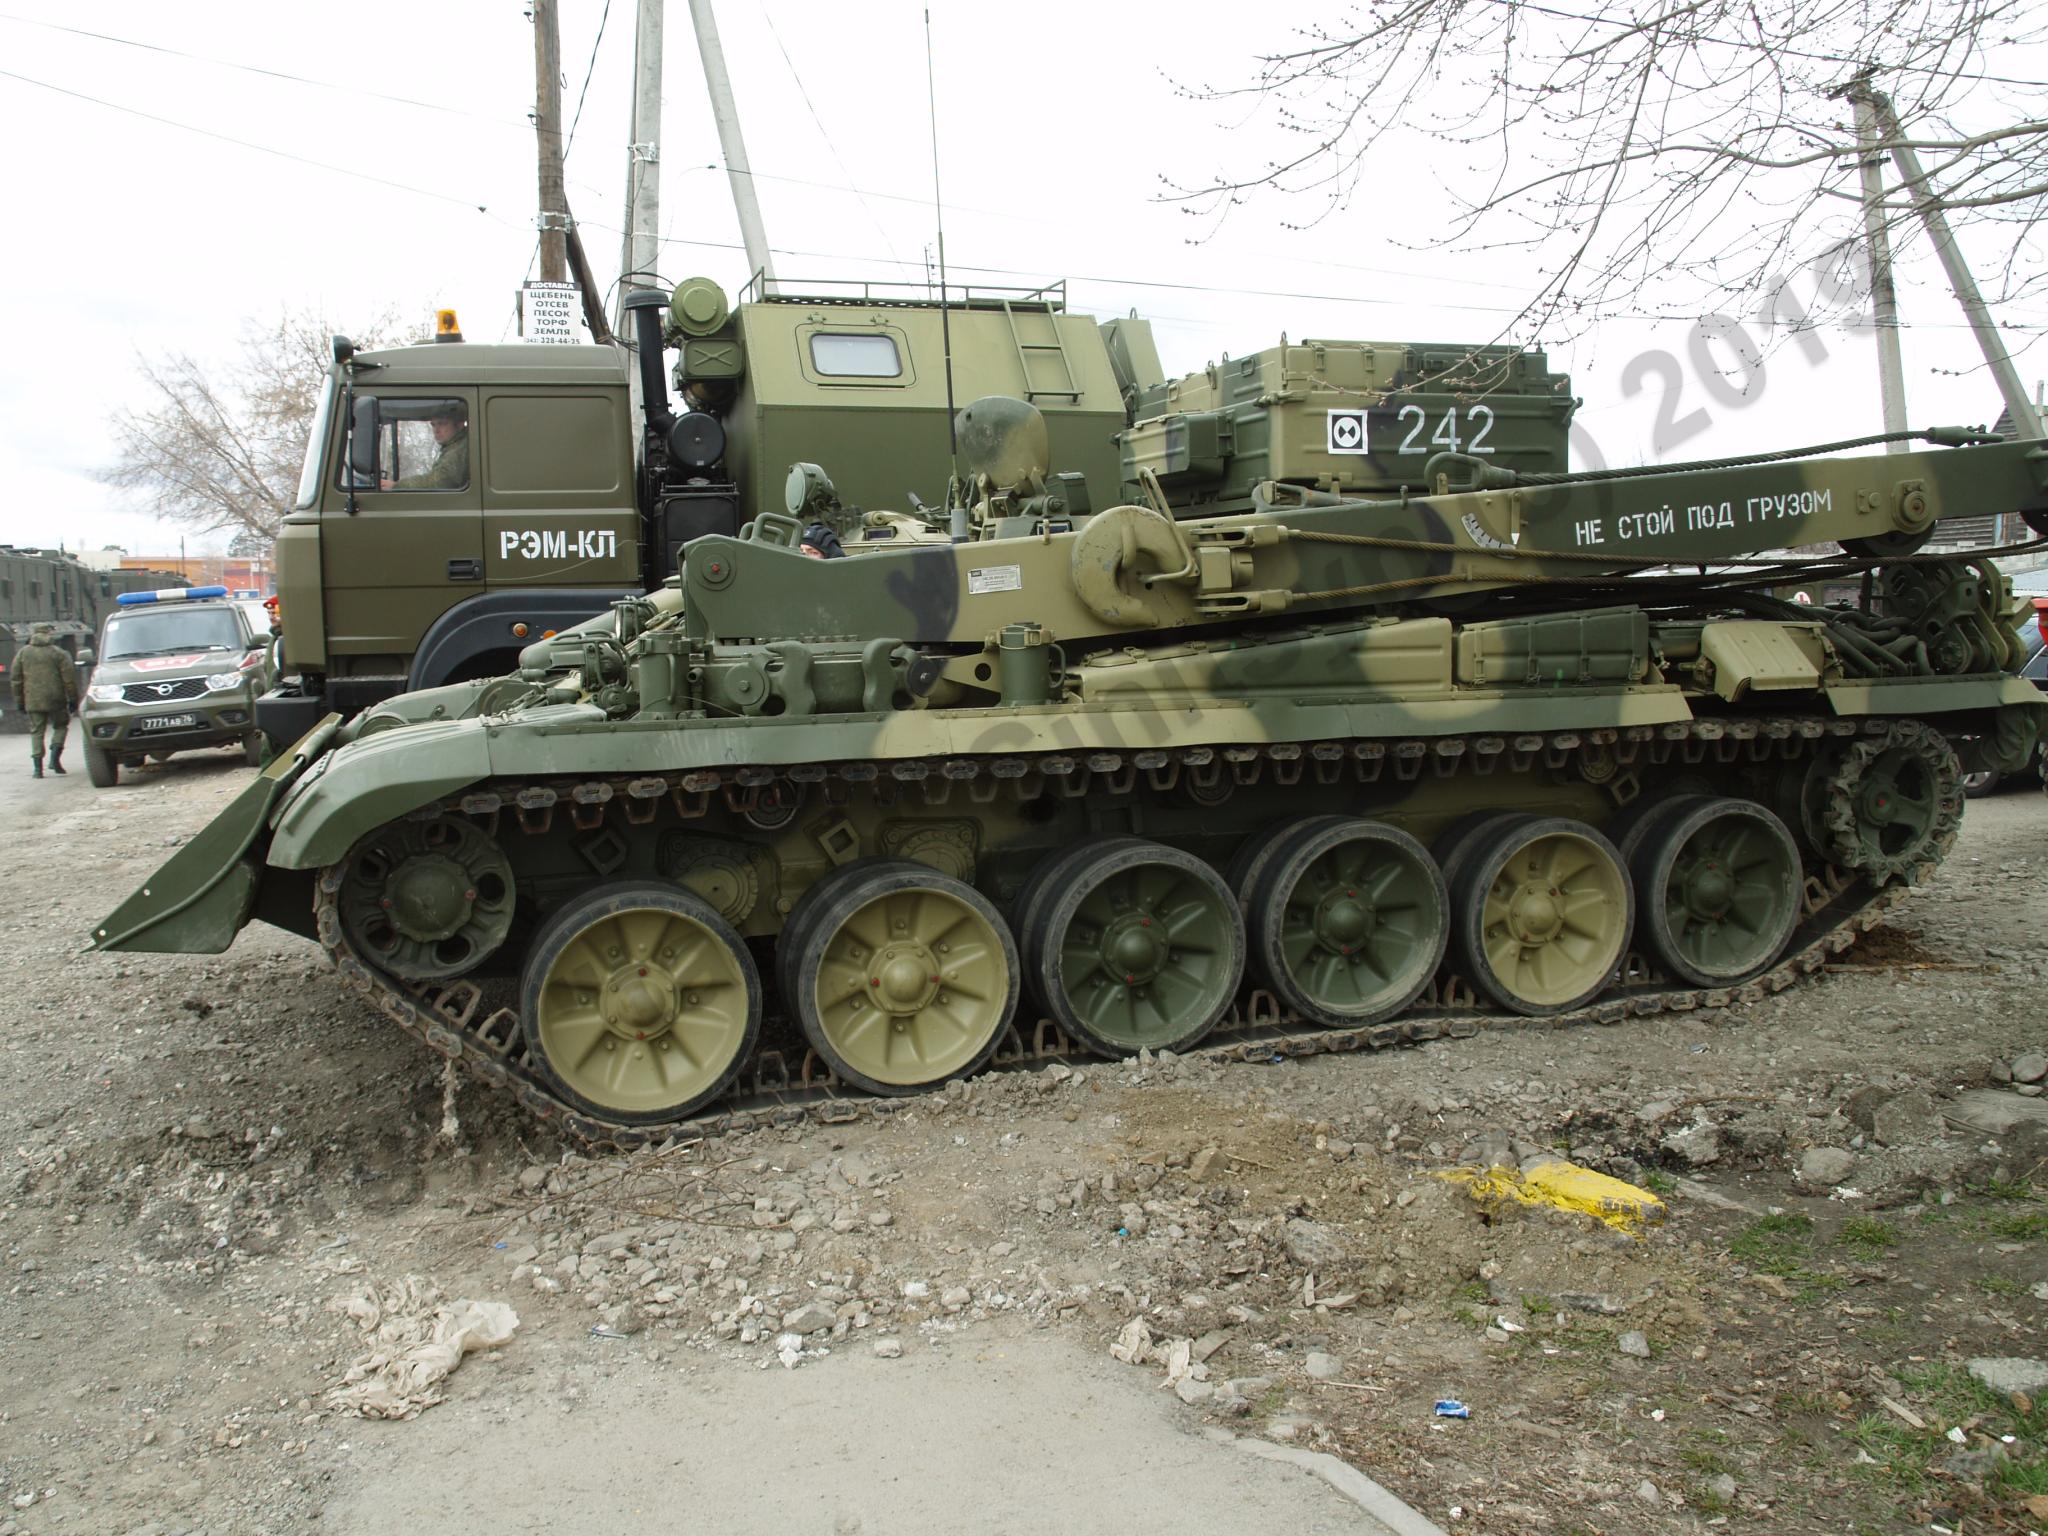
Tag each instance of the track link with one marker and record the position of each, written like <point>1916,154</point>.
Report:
<point>451,1020</point>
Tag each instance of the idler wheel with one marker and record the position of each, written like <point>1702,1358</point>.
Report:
<point>1543,913</point>
<point>639,1002</point>
<point>1132,945</point>
<point>427,900</point>
<point>900,977</point>
<point>1718,885</point>
<point>1348,920</point>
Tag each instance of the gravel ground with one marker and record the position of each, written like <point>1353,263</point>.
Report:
<point>1038,1301</point>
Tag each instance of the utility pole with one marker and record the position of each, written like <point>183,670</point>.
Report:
<point>547,127</point>
<point>723,111</point>
<point>2024,420</point>
<point>1884,296</point>
<point>640,250</point>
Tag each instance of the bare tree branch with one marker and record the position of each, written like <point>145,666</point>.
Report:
<point>1632,150</point>
<point>218,446</point>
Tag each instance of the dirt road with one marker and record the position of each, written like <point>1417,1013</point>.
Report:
<point>905,1323</point>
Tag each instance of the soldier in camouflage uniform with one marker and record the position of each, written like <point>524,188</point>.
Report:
<point>450,469</point>
<point>46,690</point>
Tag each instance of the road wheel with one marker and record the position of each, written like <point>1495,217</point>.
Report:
<point>1348,921</point>
<point>101,768</point>
<point>1717,889</point>
<point>900,977</point>
<point>1543,914</point>
<point>1134,945</point>
<point>640,1002</point>
<point>1257,852</point>
<point>1457,844</point>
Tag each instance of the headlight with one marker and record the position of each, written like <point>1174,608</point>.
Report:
<point>105,693</point>
<point>220,682</point>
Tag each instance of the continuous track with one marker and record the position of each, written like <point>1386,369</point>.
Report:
<point>452,1019</point>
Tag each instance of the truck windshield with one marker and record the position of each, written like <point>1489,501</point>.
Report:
<point>316,442</point>
<point>165,631</point>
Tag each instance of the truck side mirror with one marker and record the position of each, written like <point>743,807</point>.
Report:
<point>86,656</point>
<point>362,442</point>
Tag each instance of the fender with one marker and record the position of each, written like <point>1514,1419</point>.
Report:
<point>481,624</point>
<point>372,781</point>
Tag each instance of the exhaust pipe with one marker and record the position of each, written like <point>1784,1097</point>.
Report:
<point>646,306</point>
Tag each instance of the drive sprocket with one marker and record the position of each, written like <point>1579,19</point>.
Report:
<point>1889,803</point>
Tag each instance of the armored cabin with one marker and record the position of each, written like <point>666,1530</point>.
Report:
<point>858,383</point>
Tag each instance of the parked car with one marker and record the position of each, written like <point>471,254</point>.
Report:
<point>176,670</point>
<point>2033,634</point>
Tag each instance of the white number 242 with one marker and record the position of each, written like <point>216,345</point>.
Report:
<point>1478,418</point>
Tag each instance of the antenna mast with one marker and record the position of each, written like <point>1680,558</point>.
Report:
<point>959,508</point>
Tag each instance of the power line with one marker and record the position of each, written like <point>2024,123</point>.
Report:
<point>804,92</point>
<point>255,69</point>
<point>588,69</point>
<point>1257,293</point>
<point>265,149</point>
<point>859,192</point>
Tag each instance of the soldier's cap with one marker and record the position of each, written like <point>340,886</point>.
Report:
<point>823,540</point>
<point>449,410</point>
<point>45,632</point>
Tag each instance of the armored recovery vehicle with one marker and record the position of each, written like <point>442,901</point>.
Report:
<point>1328,769</point>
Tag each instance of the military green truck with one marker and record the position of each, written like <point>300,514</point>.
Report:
<point>460,501</point>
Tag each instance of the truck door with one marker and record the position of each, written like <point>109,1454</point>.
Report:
<point>414,546</point>
<point>559,510</point>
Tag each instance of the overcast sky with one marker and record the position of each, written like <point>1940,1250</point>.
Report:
<point>240,157</point>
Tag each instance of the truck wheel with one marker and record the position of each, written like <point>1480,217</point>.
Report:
<point>104,772</point>
<point>253,749</point>
<point>1977,785</point>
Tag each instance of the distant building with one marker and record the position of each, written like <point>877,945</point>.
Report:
<point>255,573</point>
<point>1989,529</point>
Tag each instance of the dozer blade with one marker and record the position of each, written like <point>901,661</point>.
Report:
<point>201,898</point>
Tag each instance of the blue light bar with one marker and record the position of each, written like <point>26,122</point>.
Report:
<point>169,595</point>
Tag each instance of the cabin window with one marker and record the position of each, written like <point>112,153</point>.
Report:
<point>838,355</point>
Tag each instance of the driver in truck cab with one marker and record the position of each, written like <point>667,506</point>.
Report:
<point>450,469</point>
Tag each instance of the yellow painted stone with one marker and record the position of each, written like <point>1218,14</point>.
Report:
<point>1566,1186</point>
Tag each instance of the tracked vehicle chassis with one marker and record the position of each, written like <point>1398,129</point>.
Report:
<point>461,1020</point>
